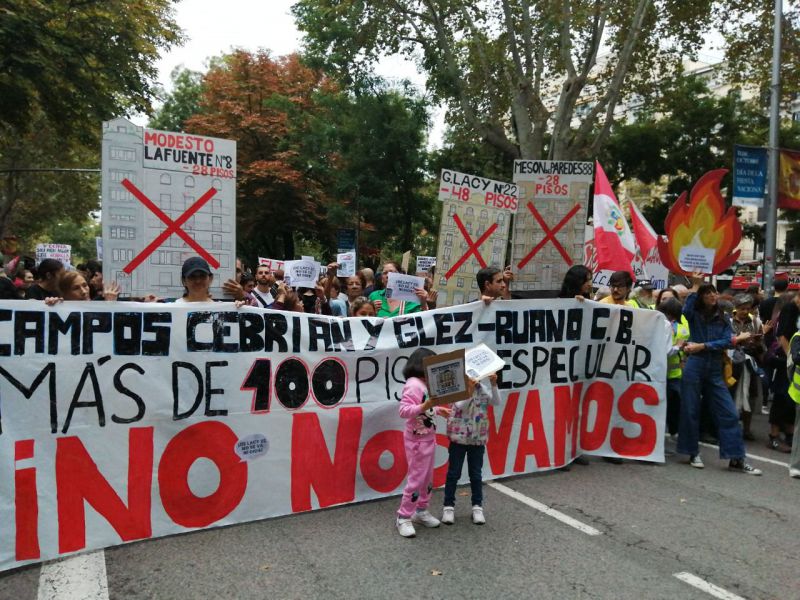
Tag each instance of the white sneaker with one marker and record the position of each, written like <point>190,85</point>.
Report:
<point>477,515</point>
<point>405,527</point>
<point>696,462</point>
<point>794,473</point>
<point>449,515</point>
<point>426,518</point>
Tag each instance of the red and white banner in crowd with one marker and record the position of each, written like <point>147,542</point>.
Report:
<point>614,244</point>
<point>126,421</point>
<point>647,246</point>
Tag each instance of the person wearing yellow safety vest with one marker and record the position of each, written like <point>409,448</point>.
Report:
<point>794,394</point>
<point>673,310</point>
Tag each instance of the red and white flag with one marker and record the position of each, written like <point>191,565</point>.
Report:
<point>613,240</point>
<point>646,237</point>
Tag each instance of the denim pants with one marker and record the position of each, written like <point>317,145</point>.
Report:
<point>702,378</point>
<point>474,456</point>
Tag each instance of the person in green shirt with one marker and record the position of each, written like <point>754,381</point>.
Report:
<point>387,307</point>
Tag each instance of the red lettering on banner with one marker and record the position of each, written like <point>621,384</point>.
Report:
<point>500,436</point>
<point>567,403</point>
<point>602,395</point>
<point>440,472</point>
<point>78,479</point>
<point>26,504</point>
<point>375,476</point>
<point>644,443</point>
<point>212,440</point>
<point>537,445</point>
<point>334,481</point>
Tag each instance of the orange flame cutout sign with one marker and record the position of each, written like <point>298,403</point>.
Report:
<point>705,222</point>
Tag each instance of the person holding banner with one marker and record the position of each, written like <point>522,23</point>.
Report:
<point>196,277</point>
<point>493,283</point>
<point>419,439</point>
<point>387,307</point>
<point>710,334</point>
<point>48,273</point>
<point>620,284</point>
<point>468,430</point>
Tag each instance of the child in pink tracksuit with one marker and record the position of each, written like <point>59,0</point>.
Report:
<point>420,444</point>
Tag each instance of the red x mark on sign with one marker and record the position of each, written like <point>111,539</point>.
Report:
<point>550,235</point>
<point>172,227</point>
<point>474,248</point>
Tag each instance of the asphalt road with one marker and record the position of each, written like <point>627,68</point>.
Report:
<point>737,532</point>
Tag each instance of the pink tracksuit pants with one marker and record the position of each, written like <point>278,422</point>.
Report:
<point>420,452</point>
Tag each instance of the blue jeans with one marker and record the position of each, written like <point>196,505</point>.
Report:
<point>474,456</point>
<point>702,378</point>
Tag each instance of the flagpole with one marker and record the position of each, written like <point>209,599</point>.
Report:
<point>770,246</point>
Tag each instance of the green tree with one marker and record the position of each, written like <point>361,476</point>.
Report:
<point>181,103</point>
<point>518,71</point>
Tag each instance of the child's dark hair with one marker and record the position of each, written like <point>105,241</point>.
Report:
<point>414,367</point>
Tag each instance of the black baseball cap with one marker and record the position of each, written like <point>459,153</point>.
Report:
<point>195,264</point>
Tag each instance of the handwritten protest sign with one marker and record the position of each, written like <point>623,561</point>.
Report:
<point>301,273</point>
<point>425,263</point>
<point>107,407</point>
<point>62,252</point>
<point>481,362</point>
<point>347,263</point>
<point>273,263</point>
<point>403,287</point>
<point>696,258</point>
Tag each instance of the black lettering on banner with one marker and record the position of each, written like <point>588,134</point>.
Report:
<point>126,391</point>
<point>462,337</point>
<point>88,373</point>
<point>621,364</point>
<point>539,358</point>
<point>296,335</point>
<point>22,332</point>
<point>220,325</point>
<point>501,381</point>
<point>71,324</point>
<point>557,366</point>
<point>599,331</point>
<point>127,333</point>
<point>193,320</point>
<point>27,391</point>
<point>367,378</point>
<point>405,339</point>
<point>342,335</point>
<point>159,324</point>
<point>624,333</point>
<point>641,360</point>
<point>329,382</point>
<point>275,328</point>
<point>94,322</point>
<point>176,389</point>
<point>374,330</point>
<point>574,324</point>
<point>598,350</point>
<point>424,339</point>
<point>397,376</point>
<point>258,380</point>
<point>291,383</point>
<point>319,330</point>
<point>504,333</point>
<point>214,412</point>
<point>251,325</point>
<point>519,364</point>
<point>442,328</point>
<point>5,349</point>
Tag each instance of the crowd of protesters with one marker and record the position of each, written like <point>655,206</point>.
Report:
<point>731,355</point>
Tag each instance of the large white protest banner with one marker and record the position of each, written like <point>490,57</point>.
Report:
<point>548,236</point>
<point>126,421</point>
<point>166,196</point>
<point>473,233</point>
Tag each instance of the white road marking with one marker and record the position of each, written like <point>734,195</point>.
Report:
<point>771,461</point>
<point>551,512</point>
<point>81,577</point>
<point>705,586</point>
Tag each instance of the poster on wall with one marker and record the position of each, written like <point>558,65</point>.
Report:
<point>167,196</point>
<point>476,213</point>
<point>548,236</point>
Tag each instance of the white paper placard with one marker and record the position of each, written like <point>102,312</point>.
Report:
<point>424,263</point>
<point>62,252</point>
<point>481,362</point>
<point>401,287</point>
<point>347,263</point>
<point>301,273</point>
<point>697,258</point>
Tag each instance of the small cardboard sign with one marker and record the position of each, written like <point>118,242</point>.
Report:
<point>697,258</point>
<point>446,378</point>
<point>402,287</point>
<point>347,263</point>
<point>301,273</point>
<point>481,362</point>
<point>406,260</point>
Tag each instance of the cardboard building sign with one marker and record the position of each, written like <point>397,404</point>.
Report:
<point>548,236</point>
<point>166,197</point>
<point>473,234</point>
